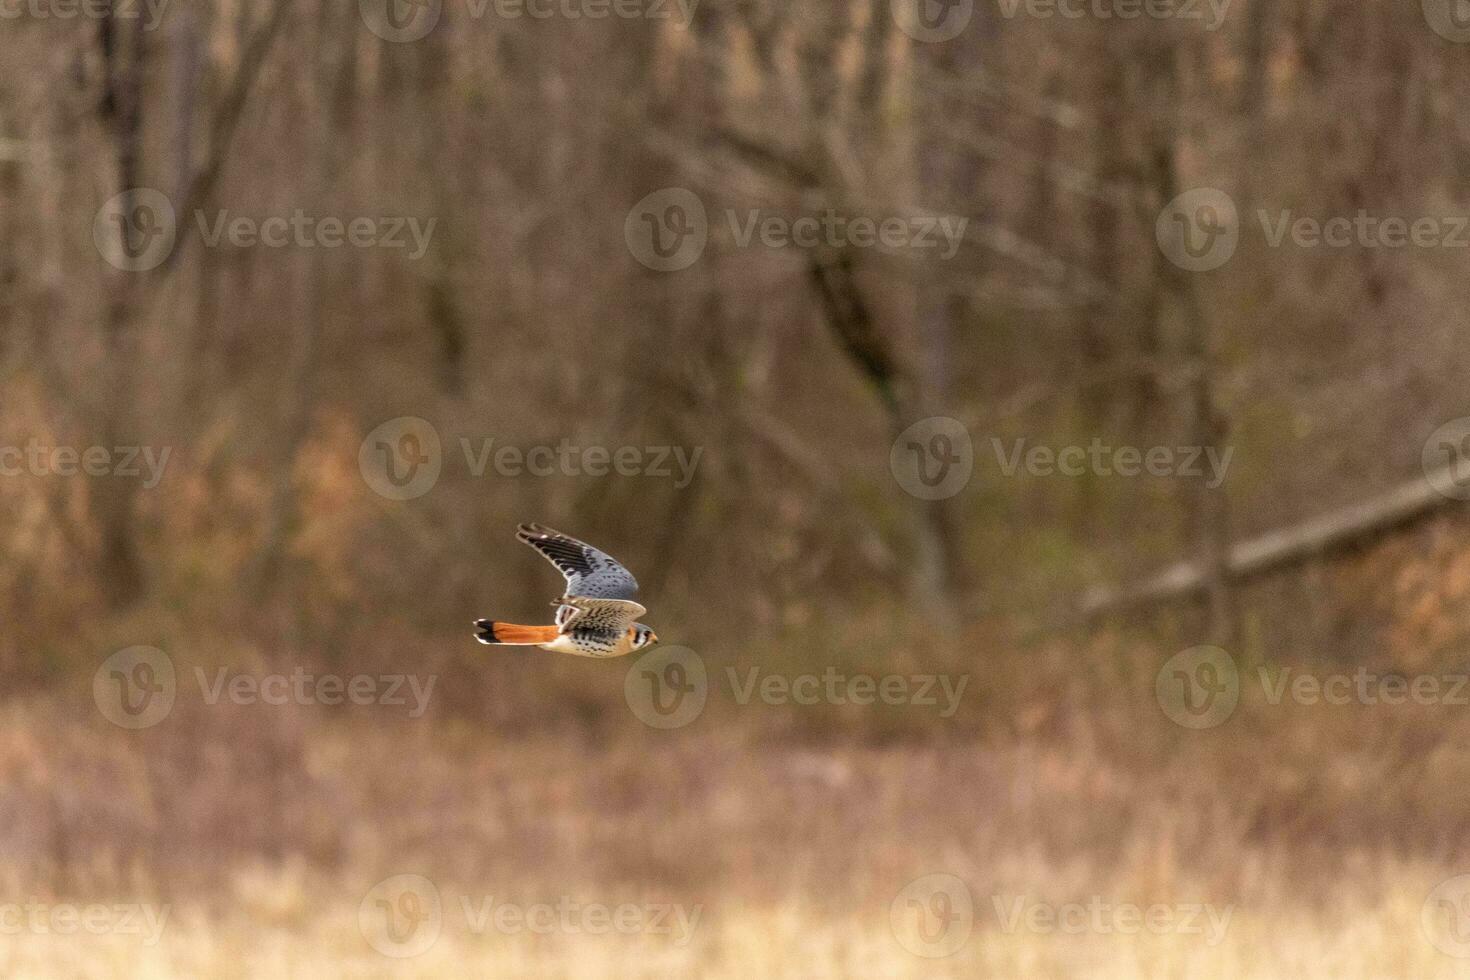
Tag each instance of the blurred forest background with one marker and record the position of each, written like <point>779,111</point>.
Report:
<point>532,318</point>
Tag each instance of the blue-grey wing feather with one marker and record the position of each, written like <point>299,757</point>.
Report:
<point>589,572</point>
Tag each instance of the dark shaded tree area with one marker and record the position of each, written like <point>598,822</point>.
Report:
<point>791,369</point>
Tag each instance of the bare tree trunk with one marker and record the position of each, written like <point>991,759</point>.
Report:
<point>1253,85</point>
<point>10,282</point>
<point>1209,518</point>
<point>948,178</point>
<point>437,163</point>
<point>856,330</point>
<point>124,51</point>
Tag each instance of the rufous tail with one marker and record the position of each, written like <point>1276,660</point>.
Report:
<point>493,631</point>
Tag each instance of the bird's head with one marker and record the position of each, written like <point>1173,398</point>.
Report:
<point>643,636</point>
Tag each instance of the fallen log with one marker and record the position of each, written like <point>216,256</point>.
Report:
<point>1343,529</point>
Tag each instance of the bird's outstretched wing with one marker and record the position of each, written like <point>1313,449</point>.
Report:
<point>590,573</point>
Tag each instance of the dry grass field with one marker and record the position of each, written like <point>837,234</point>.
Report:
<point>1089,834</point>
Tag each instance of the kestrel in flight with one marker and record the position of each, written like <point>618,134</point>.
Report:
<point>597,616</point>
